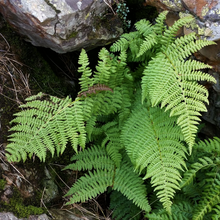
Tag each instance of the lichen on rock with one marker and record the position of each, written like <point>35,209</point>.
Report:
<point>53,23</point>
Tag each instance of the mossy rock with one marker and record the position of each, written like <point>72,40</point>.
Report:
<point>17,207</point>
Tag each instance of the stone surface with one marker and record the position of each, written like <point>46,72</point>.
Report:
<point>206,13</point>
<point>161,5</point>
<point>11,216</point>
<point>62,25</point>
<point>57,214</point>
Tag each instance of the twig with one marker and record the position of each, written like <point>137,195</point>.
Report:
<point>42,202</point>
<point>109,5</point>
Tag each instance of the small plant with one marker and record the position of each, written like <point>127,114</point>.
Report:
<point>133,127</point>
<point>122,11</point>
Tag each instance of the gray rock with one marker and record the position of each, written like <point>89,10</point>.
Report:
<point>11,216</point>
<point>50,188</point>
<point>62,25</point>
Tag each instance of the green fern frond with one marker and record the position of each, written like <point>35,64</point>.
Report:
<point>211,196</point>
<point>85,81</point>
<point>46,125</point>
<point>148,43</point>
<point>209,146</point>
<point>167,81</point>
<point>103,102</point>
<point>207,176</point>
<point>184,46</point>
<point>119,71</point>
<point>152,141</point>
<point>104,175</point>
<point>103,68</point>
<point>131,185</point>
<point>190,174</point>
<point>127,94</point>
<point>121,44</point>
<point>170,33</point>
<point>90,185</point>
<point>180,211</point>
<point>144,27</point>
<point>97,180</point>
<point>90,124</point>
<point>132,45</point>
<point>159,27</point>
<point>112,142</point>
<point>123,209</point>
<point>91,158</point>
<point>216,209</point>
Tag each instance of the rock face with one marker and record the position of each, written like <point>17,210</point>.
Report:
<point>62,25</point>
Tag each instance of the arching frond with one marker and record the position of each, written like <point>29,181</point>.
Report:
<point>170,33</point>
<point>168,81</point>
<point>190,174</point>
<point>90,185</point>
<point>46,125</point>
<point>152,141</point>
<point>211,196</point>
<point>131,185</point>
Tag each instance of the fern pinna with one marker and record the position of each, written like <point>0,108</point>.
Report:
<point>132,125</point>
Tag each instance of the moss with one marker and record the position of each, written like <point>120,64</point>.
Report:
<point>17,206</point>
<point>72,35</point>
<point>2,184</point>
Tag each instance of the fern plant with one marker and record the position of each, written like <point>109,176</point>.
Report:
<point>133,122</point>
<point>200,195</point>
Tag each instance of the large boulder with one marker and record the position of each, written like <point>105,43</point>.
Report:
<point>63,25</point>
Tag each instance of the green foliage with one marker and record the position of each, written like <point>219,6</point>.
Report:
<point>133,126</point>
<point>208,167</point>
<point>2,184</point>
<point>102,174</point>
<point>123,208</point>
<point>155,151</point>
<point>122,12</point>
<point>46,125</point>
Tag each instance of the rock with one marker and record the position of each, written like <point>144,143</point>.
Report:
<point>63,25</point>
<point>161,5</point>
<point>59,214</point>
<point>50,188</point>
<point>11,216</point>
